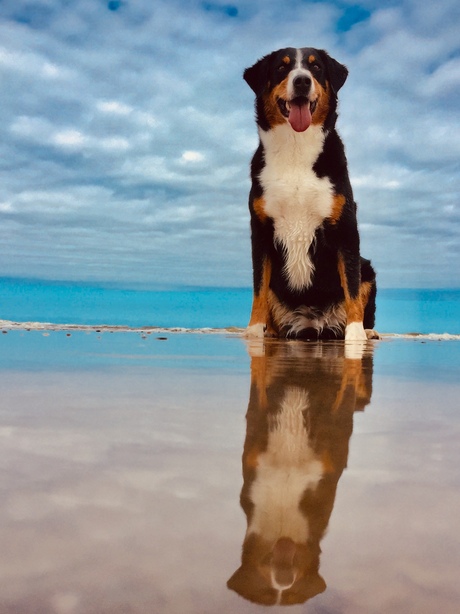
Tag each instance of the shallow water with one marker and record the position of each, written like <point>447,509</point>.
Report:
<point>398,310</point>
<point>202,474</point>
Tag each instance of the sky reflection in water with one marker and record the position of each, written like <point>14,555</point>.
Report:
<point>124,459</point>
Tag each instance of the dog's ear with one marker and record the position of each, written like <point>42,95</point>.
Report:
<point>257,76</point>
<point>338,73</point>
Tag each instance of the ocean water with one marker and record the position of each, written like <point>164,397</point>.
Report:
<point>398,310</point>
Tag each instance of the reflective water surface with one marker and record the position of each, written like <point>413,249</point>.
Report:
<point>200,474</point>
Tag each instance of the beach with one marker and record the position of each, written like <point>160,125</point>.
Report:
<point>125,454</point>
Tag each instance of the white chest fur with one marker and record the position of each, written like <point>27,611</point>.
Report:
<point>295,198</point>
<point>287,468</point>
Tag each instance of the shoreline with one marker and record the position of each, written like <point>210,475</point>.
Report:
<point>9,325</point>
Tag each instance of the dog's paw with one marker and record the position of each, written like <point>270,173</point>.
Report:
<point>372,334</point>
<point>256,331</point>
<point>355,332</point>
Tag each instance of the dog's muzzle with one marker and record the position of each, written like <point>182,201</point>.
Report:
<point>298,110</point>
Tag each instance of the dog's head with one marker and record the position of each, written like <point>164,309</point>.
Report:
<point>295,86</point>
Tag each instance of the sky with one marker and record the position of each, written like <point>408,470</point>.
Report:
<point>127,132</point>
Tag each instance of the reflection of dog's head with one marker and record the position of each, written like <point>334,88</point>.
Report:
<point>299,421</point>
<point>277,573</point>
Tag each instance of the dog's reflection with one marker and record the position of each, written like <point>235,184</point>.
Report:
<point>299,423</point>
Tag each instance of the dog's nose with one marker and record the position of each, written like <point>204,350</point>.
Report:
<point>302,84</point>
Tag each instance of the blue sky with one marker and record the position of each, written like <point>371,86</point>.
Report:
<point>127,132</point>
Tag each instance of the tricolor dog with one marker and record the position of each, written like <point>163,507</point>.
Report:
<point>309,279</point>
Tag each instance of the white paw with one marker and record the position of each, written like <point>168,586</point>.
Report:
<point>256,331</point>
<point>355,332</point>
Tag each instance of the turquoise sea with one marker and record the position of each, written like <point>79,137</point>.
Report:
<point>22,300</point>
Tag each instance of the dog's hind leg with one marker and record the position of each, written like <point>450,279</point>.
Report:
<point>368,276</point>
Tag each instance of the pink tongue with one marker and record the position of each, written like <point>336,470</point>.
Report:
<point>300,117</point>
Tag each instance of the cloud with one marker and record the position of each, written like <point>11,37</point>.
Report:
<point>127,132</point>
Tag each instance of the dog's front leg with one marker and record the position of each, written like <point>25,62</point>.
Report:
<point>355,295</point>
<point>259,322</point>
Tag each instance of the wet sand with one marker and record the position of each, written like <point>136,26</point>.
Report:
<point>172,472</point>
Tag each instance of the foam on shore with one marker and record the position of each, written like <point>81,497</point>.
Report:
<point>101,328</point>
<point>7,325</point>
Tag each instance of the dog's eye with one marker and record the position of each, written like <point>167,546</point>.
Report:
<point>316,68</point>
<point>282,67</point>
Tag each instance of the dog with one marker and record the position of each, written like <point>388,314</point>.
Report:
<point>309,279</point>
<point>299,423</point>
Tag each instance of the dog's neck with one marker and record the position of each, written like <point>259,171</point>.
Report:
<point>294,148</point>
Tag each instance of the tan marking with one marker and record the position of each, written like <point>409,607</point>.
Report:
<point>258,372</point>
<point>259,208</point>
<point>272,110</point>
<point>355,310</point>
<point>353,306</point>
<point>260,313</point>
<point>286,59</point>
<point>337,208</point>
<point>352,375</point>
<point>311,59</point>
<point>259,380</point>
<point>322,104</point>
<point>278,312</point>
<point>251,457</point>
<point>328,463</point>
<point>361,388</point>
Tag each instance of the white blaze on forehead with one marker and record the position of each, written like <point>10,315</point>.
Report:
<point>299,70</point>
<point>299,57</point>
